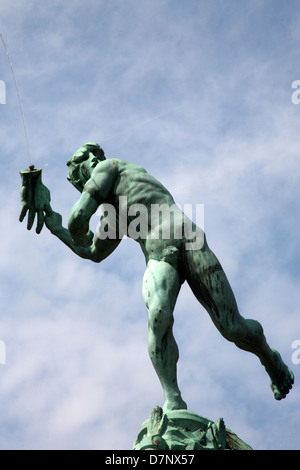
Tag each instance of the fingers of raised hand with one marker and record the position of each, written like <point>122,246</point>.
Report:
<point>40,221</point>
<point>31,217</point>
<point>23,212</point>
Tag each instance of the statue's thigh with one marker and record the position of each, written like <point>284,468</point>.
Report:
<point>161,284</point>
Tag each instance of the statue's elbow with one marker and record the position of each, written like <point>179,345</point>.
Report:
<point>96,255</point>
<point>95,258</point>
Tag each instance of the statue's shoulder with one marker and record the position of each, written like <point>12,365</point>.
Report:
<point>123,165</point>
<point>108,165</point>
<point>116,167</point>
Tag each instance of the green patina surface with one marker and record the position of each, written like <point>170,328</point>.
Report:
<point>184,430</point>
<point>170,261</point>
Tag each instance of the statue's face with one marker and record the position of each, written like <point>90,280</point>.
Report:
<point>80,169</point>
<point>75,176</point>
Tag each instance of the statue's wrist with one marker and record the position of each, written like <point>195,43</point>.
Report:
<point>53,226</point>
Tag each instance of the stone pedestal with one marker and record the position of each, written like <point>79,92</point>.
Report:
<point>185,430</point>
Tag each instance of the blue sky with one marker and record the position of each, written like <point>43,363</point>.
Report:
<point>198,93</point>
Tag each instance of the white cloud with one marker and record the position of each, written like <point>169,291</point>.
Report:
<point>185,92</point>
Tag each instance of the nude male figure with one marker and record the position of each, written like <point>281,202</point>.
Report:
<point>168,264</point>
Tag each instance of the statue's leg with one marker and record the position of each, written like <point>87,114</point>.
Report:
<point>211,287</point>
<point>161,285</point>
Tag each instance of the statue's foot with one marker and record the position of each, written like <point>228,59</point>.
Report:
<point>282,378</point>
<point>174,403</point>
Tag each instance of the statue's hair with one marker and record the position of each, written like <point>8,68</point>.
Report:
<point>83,153</point>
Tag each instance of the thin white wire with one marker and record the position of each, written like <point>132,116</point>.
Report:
<point>140,124</point>
<point>19,97</point>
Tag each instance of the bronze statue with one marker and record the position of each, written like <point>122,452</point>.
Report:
<point>170,260</point>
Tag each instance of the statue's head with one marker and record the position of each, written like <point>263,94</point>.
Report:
<point>82,163</point>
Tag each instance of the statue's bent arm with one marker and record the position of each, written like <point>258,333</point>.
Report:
<point>94,193</point>
<point>97,251</point>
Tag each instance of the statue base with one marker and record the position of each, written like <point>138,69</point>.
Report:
<point>185,430</point>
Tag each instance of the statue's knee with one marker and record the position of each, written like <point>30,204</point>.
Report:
<point>233,333</point>
<point>256,332</point>
<point>246,330</point>
<point>160,319</point>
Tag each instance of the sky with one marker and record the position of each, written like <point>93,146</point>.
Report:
<point>199,94</point>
